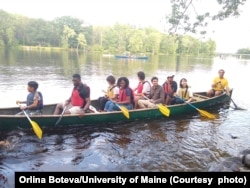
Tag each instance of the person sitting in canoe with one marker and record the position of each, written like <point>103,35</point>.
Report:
<point>156,96</point>
<point>34,102</point>
<point>125,98</point>
<point>143,88</point>
<point>78,102</point>
<point>170,88</point>
<point>219,85</point>
<point>184,93</point>
<point>109,93</point>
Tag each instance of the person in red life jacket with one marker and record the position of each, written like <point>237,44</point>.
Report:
<point>170,88</point>
<point>143,88</point>
<point>34,102</point>
<point>124,98</point>
<point>79,101</point>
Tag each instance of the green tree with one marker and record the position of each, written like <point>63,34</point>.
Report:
<point>136,43</point>
<point>186,17</point>
<point>7,29</point>
<point>243,51</point>
<point>81,41</point>
<point>168,44</point>
<point>67,34</point>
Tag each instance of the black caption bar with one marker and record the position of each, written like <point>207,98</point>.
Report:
<point>129,179</point>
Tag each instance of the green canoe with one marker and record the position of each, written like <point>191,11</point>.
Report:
<point>8,119</point>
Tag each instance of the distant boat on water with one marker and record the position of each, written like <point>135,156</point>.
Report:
<point>131,57</point>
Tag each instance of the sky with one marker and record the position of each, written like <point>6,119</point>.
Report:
<point>229,35</point>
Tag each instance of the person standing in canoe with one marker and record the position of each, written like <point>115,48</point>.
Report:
<point>34,102</point>
<point>78,102</point>
<point>219,85</point>
<point>156,95</point>
<point>125,98</point>
<point>143,88</point>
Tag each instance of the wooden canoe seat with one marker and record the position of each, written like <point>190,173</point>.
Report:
<point>198,97</point>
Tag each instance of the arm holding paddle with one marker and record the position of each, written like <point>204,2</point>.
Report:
<point>26,107</point>
<point>35,126</point>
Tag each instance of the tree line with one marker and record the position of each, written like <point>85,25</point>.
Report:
<point>72,33</point>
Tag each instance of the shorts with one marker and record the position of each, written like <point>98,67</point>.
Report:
<point>75,110</point>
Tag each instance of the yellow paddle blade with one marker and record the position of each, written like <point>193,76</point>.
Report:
<point>124,111</point>
<point>164,110</point>
<point>37,129</point>
<point>206,114</point>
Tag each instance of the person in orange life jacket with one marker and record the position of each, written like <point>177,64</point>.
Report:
<point>34,102</point>
<point>170,88</point>
<point>184,93</point>
<point>109,93</point>
<point>79,101</point>
<point>156,95</point>
<point>219,84</point>
<point>143,88</point>
<point>125,97</point>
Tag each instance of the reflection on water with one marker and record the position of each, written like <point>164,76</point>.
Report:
<point>191,143</point>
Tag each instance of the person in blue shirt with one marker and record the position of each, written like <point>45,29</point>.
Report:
<point>34,102</point>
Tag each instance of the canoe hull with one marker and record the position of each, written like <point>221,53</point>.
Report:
<point>9,121</point>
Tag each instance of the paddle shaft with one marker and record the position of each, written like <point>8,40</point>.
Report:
<point>58,121</point>
<point>202,112</point>
<point>236,107</point>
<point>27,116</point>
<point>234,103</point>
<point>191,105</point>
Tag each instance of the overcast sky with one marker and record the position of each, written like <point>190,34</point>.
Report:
<point>229,35</point>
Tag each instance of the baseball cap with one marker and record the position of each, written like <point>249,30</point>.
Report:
<point>170,76</point>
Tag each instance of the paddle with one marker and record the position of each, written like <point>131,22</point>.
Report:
<point>163,109</point>
<point>124,110</point>
<point>236,107</point>
<point>202,112</point>
<point>35,126</point>
<point>58,121</point>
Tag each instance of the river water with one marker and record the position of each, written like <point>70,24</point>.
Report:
<point>188,144</point>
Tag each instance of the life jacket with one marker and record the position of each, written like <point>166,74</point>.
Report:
<point>140,86</point>
<point>110,91</point>
<point>183,93</point>
<point>30,100</point>
<point>82,91</point>
<point>123,96</point>
<point>167,88</point>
